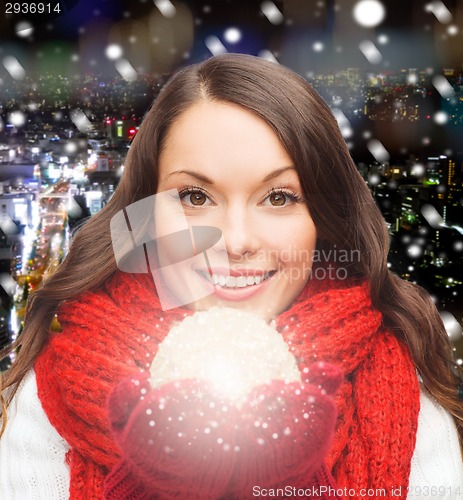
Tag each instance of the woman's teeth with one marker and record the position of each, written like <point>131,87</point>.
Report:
<point>236,282</point>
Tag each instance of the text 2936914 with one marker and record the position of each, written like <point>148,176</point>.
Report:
<point>32,8</point>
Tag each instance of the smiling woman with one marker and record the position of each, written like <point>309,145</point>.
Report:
<point>245,151</point>
<point>232,172</point>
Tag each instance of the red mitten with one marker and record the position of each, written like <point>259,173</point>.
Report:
<point>181,441</point>
<point>177,441</point>
<point>285,431</point>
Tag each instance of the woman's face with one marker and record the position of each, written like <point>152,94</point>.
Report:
<point>232,173</point>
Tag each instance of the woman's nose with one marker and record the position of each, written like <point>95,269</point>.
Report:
<point>240,233</point>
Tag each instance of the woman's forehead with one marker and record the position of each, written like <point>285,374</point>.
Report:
<point>212,138</point>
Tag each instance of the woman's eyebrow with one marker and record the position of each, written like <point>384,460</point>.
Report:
<point>197,175</point>
<point>277,173</point>
<point>206,180</point>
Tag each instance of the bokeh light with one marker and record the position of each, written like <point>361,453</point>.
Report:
<point>369,13</point>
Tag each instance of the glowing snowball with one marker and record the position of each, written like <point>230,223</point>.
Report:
<point>232,35</point>
<point>369,13</point>
<point>318,46</point>
<point>231,349</point>
<point>113,51</point>
<point>452,30</point>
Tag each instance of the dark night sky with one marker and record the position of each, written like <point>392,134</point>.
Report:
<point>415,37</point>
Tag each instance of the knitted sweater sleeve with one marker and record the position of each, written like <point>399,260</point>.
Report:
<point>99,345</point>
<point>32,454</point>
<point>437,464</point>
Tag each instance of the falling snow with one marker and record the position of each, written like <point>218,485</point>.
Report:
<point>8,283</point>
<point>443,86</point>
<point>80,120</point>
<point>17,118</point>
<point>232,35</point>
<point>166,8</point>
<point>113,51</point>
<point>268,56</point>
<point>369,13</point>
<point>24,29</point>
<point>126,70</point>
<point>272,13</point>
<point>370,51</point>
<point>379,152</point>
<point>215,45</point>
<point>343,122</point>
<point>453,328</point>
<point>418,170</point>
<point>14,68</point>
<point>441,117</point>
<point>414,251</point>
<point>442,13</point>
<point>383,39</point>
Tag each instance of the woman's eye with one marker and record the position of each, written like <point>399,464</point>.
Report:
<point>280,199</point>
<point>197,199</point>
<point>277,199</point>
<point>194,198</point>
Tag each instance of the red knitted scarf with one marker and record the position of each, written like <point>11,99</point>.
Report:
<point>110,332</point>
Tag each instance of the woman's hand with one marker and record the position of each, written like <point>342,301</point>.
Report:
<point>182,440</point>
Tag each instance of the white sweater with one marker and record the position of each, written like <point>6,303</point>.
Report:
<point>33,466</point>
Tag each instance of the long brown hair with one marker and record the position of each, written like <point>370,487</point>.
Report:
<point>338,199</point>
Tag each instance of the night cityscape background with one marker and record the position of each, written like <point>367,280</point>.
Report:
<point>75,84</point>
